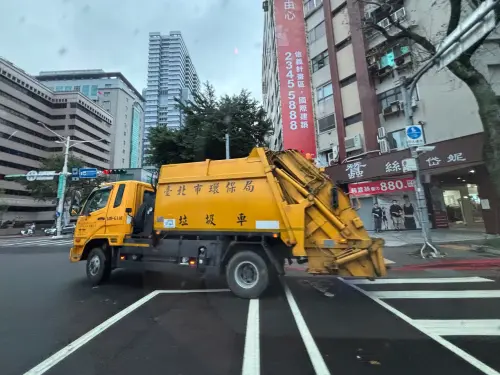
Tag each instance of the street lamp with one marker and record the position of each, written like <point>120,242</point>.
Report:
<point>66,141</point>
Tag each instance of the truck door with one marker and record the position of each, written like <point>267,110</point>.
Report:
<point>92,219</point>
<point>117,221</point>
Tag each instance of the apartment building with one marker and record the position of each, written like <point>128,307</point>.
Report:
<point>171,76</point>
<point>355,77</point>
<point>113,92</point>
<point>26,104</point>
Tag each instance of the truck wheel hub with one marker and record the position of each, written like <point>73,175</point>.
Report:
<point>246,275</point>
<point>94,265</point>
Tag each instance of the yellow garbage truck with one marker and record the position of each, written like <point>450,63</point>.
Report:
<point>242,218</point>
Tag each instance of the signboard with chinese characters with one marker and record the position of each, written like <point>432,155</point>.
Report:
<point>293,70</point>
<point>382,186</point>
<point>454,153</point>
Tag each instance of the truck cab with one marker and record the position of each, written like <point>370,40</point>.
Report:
<point>106,218</point>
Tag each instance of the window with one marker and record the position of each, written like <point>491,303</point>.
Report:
<point>386,98</point>
<point>324,92</point>
<point>347,81</point>
<point>310,5</point>
<point>106,93</point>
<point>320,61</point>
<point>85,90</point>
<point>76,88</point>
<point>119,195</point>
<point>93,90</point>
<point>326,123</point>
<point>68,88</point>
<point>397,139</point>
<point>107,85</point>
<point>97,201</point>
<point>352,119</point>
<point>59,88</point>
<point>317,32</point>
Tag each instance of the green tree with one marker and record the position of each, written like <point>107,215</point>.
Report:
<point>207,120</point>
<point>464,68</point>
<point>47,190</point>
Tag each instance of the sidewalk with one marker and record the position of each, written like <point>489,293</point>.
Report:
<point>414,237</point>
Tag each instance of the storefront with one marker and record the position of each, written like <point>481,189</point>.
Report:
<point>457,187</point>
<point>394,195</point>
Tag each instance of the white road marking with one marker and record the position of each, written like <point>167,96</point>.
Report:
<point>312,349</point>
<point>461,327</point>
<point>443,294</point>
<point>430,280</point>
<point>388,261</point>
<point>40,242</point>
<point>448,345</point>
<point>251,356</point>
<point>82,340</point>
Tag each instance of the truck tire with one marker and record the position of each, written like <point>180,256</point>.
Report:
<point>98,266</point>
<point>247,274</point>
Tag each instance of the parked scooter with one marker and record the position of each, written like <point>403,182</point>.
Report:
<point>27,232</point>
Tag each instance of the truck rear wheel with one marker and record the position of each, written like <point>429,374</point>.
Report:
<point>247,274</point>
<point>98,266</point>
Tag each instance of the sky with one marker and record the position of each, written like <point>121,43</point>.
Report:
<point>223,37</point>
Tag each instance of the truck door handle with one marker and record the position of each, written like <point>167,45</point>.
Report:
<point>100,218</point>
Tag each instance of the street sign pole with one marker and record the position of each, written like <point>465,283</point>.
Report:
<point>473,29</point>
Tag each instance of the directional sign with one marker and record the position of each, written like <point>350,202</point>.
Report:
<point>31,175</point>
<point>45,175</point>
<point>414,136</point>
<point>88,173</point>
<point>74,172</point>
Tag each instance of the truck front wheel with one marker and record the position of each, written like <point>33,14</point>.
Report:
<point>247,274</point>
<point>98,266</point>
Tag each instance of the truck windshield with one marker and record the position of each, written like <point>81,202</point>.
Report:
<point>97,200</point>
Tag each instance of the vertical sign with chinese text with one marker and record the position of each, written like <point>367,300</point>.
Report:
<point>293,70</point>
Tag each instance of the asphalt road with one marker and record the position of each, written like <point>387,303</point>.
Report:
<point>306,326</point>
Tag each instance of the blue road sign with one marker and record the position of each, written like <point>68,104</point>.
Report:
<point>88,173</point>
<point>414,132</point>
<point>74,172</point>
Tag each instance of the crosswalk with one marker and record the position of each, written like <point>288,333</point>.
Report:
<point>451,311</point>
<point>35,242</point>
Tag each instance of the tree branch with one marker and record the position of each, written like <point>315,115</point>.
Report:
<point>456,8</point>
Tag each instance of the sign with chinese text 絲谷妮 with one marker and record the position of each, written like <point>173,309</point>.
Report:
<point>294,76</point>
<point>382,186</point>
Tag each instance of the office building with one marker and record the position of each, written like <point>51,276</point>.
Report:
<point>26,104</point>
<point>113,92</point>
<point>171,76</point>
<point>359,118</point>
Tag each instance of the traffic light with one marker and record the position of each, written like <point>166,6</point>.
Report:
<point>114,171</point>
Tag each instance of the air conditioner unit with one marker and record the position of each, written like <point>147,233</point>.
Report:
<point>354,143</point>
<point>381,132</point>
<point>384,146</point>
<point>399,15</point>
<point>385,23</point>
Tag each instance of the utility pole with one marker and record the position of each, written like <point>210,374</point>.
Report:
<point>61,188</point>
<point>472,29</point>
<point>227,146</point>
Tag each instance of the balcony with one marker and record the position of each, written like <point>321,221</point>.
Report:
<point>384,60</point>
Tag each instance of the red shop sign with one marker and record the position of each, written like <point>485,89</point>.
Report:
<point>295,81</point>
<point>382,186</point>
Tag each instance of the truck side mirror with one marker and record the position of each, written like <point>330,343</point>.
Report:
<point>128,210</point>
<point>75,210</point>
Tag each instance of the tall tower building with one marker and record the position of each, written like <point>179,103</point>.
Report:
<point>171,75</point>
